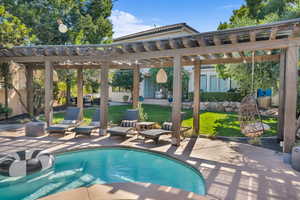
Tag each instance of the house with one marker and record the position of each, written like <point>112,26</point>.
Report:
<point>210,82</point>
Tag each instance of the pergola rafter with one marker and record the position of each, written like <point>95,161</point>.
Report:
<point>217,47</point>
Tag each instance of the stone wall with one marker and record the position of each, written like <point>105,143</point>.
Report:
<point>225,106</point>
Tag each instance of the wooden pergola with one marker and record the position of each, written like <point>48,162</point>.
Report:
<point>275,42</point>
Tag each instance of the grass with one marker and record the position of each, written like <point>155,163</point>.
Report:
<point>211,123</point>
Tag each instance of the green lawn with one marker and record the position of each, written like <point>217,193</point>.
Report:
<point>211,123</point>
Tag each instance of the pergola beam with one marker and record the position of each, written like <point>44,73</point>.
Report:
<point>48,93</point>
<point>136,86</point>
<point>196,104</point>
<point>176,106</point>
<point>29,90</point>
<point>290,103</point>
<point>104,96</point>
<point>80,91</point>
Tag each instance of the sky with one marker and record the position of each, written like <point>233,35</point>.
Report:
<point>131,16</point>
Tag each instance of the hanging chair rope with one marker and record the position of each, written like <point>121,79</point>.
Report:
<point>252,74</point>
<point>250,120</point>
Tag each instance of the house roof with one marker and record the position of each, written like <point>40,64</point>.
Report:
<point>156,30</point>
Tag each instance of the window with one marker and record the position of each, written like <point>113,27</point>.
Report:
<point>213,83</point>
<point>203,83</point>
<point>223,85</point>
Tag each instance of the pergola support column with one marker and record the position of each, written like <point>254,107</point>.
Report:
<point>136,87</point>
<point>196,107</point>
<point>80,92</point>
<point>104,95</point>
<point>176,107</point>
<point>48,92</point>
<point>29,90</point>
<point>281,95</point>
<point>290,103</point>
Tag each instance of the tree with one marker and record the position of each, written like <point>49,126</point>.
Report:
<point>123,78</point>
<point>168,86</point>
<point>12,32</point>
<point>252,13</point>
<point>87,22</point>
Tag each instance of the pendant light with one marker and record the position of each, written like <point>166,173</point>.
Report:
<point>161,76</point>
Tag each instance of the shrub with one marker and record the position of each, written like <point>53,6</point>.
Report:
<point>5,110</point>
<point>125,98</point>
<point>218,96</point>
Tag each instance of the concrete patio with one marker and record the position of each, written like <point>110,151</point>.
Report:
<point>231,170</point>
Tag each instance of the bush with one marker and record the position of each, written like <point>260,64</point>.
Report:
<point>218,96</point>
<point>5,110</point>
<point>125,98</point>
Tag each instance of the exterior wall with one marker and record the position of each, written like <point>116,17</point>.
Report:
<point>13,101</point>
<point>19,81</point>
<point>209,73</point>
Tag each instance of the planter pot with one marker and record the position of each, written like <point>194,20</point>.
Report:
<point>295,160</point>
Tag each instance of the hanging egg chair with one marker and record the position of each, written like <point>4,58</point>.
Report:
<point>250,120</point>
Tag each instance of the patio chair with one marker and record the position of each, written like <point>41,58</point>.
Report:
<point>128,123</point>
<point>70,121</point>
<point>87,130</point>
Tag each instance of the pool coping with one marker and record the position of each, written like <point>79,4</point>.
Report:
<point>165,155</point>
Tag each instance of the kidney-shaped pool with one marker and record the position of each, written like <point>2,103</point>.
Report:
<point>103,165</point>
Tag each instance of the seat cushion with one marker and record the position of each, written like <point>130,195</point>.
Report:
<point>85,129</point>
<point>68,122</point>
<point>118,130</point>
<point>154,133</point>
<point>59,127</point>
<point>128,123</point>
<point>167,126</point>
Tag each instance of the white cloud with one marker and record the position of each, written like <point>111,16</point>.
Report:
<point>125,23</point>
<point>230,6</point>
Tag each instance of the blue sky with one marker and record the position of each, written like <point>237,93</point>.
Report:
<point>131,16</point>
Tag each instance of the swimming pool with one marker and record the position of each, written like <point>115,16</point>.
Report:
<point>103,165</point>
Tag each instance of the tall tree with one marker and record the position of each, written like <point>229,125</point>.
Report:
<point>252,13</point>
<point>87,21</point>
<point>12,32</point>
<point>123,78</point>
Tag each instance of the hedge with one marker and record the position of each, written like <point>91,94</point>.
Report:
<point>218,96</point>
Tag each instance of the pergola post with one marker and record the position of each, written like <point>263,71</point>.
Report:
<point>290,103</point>
<point>136,86</point>
<point>281,95</point>
<point>176,107</point>
<point>48,92</point>
<point>196,107</point>
<point>29,90</point>
<point>104,95</point>
<point>80,92</point>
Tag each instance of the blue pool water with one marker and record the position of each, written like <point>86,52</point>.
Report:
<point>104,165</point>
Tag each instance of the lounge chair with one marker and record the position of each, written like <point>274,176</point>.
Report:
<point>70,121</point>
<point>87,130</point>
<point>166,129</point>
<point>128,123</point>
